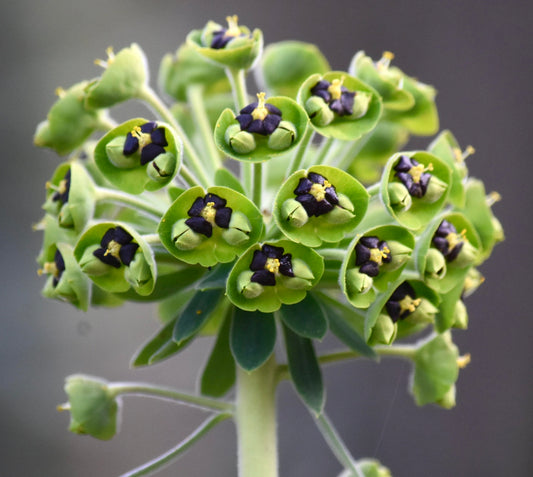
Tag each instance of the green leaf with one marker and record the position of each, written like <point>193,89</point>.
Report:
<point>218,376</point>
<point>305,370</point>
<point>306,318</point>
<point>196,313</point>
<point>253,336</point>
<point>216,277</point>
<point>224,178</point>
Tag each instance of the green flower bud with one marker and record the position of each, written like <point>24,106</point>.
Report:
<point>294,213</point>
<point>65,217</point>
<point>467,256</point>
<point>138,272</point>
<point>360,104</point>
<point>319,112</point>
<point>184,238</point>
<point>424,312</point>
<point>448,400</point>
<point>357,282</point>
<point>162,167</point>
<point>301,270</point>
<point>114,150</point>
<point>345,202</point>
<point>242,142</point>
<point>93,408</point>
<point>399,255</point>
<point>384,331</point>
<point>90,264</point>
<point>338,215</point>
<point>283,136</point>
<point>238,231</point>
<point>461,316</point>
<point>399,196</point>
<point>248,288</point>
<point>435,264</point>
<point>435,189</point>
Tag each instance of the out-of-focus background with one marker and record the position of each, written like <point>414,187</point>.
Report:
<point>477,53</point>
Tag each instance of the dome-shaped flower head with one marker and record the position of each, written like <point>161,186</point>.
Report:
<point>370,253</point>
<point>148,139</point>
<point>402,302</point>
<point>316,194</point>
<point>448,241</point>
<point>413,175</point>
<point>259,117</point>
<point>206,212</point>
<point>269,262</point>
<point>223,36</point>
<point>339,99</point>
<point>116,248</point>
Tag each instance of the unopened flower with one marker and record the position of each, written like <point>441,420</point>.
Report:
<point>148,139</point>
<point>206,212</point>
<point>269,262</point>
<point>116,248</point>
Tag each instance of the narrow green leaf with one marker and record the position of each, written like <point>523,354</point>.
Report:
<point>306,318</point>
<point>196,313</point>
<point>217,277</point>
<point>224,178</point>
<point>253,336</point>
<point>218,375</point>
<point>305,370</point>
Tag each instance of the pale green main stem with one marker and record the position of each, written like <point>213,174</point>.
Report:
<point>256,421</point>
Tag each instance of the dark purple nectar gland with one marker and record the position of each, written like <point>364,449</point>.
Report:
<point>62,190</point>
<point>206,212</point>
<point>413,175</point>
<point>316,194</point>
<point>116,248</point>
<point>339,99</point>
<point>55,268</point>
<point>448,241</point>
<point>402,302</point>
<point>370,253</point>
<point>269,262</point>
<point>148,139</point>
<point>223,36</point>
<point>259,117</point>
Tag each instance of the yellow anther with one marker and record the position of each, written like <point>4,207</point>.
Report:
<point>110,58</point>
<point>233,26</point>
<point>454,239</point>
<point>60,92</point>
<point>272,265</point>
<point>318,191</point>
<point>113,248</point>
<point>260,112</point>
<point>63,407</point>
<point>62,188</point>
<point>416,171</point>
<point>198,312</point>
<point>377,255</point>
<point>408,304</point>
<point>50,268</point>
<point>335,88</point>
<point>385,60</point>
<point>209,212</point>
<point>493,197</point>
<point>143,138</point>
<point>464,361</point>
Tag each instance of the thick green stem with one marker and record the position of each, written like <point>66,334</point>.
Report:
<point>256,421</point>
<point>258,184</point>
<point>137,202</point>
<point>300,152</point>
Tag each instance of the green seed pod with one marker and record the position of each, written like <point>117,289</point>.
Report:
<point>424,313</point>
<point>238,232</point>
<point>90,264</point>
<point>114,150</point>
<point>301,270</point>
<point>436,188</point>
<point>467,256</point>
<point>399,196</point>
<point>345,202</point>
<point>357,282</point>
<point>435,264</point>
<point>384,331</point>
<point>339,216</point>
<point>319,111</point>
<point>184,238</point>
<point>461,316</point>
<point>162,167</point>
<point>138,272</point>
<point>360,104</point>
<point>93,407</point>
<point>400,254</point>
<point>125,76</point>
<point>294,213</point>
<point>448,400</point>
<point>248,288</point>
<point>242,142</point>
<point>283,136</point>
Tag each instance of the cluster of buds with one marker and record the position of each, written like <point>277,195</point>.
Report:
<point>157,210</point>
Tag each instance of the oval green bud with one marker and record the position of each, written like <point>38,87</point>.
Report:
<point>435,189</point>
<point>360,104</point>
<point>345,202</point>
<point>435,264</point>
<point>162,167</point>
<point>399,255</point>
<point>283,136</point>
<point>424,313</point>
<point>248,288</point>
<point>114,150</point>
<point>319,111</point>
<point>399,196</point>
<point>235,237</point>
<point>184,238</point>
<point>301,270</point>
<point>92,265</point>
<point>338,215</point>
<point>357,282</point>
<point>242,142</point>
<point>294,212</point>
<point>240,222</point>
<point>384,331</point>
<point>138,272</point>
<point>461,316</point>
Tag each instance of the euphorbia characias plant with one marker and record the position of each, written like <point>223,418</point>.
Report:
<point>283,213</point>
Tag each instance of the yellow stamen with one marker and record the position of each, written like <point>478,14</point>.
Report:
<point>454,239</point>
<point>110,58</point>
<point>63,407</point>
<point>260,112</point>
<point>233,26</point>
<point>60,92</point>
<point>493,197</point>
<point>113,248</point>
<point>50,268</point>
<point>408,304</point>
<point>385,60</point>
<point>416,171</point>
<point>272,265</point>
<point>377,255</point>
<point>463,361</point>
<point>318,191</point>
<point>461,156</point>
<point>143,138</point>
<point>335,88</point>
<point>209,212</point>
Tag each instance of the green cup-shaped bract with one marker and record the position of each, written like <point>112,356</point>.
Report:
<point>456,269</point>
<point>308,267</point>
<point>422,210</point>
<point>329,227</point>
<point>126,172</point>
<point>53,234</point>
<point>109,278</point>
<point>346,128</point>
<point>94,410</point>
<point>435,369</point>
<point>240,53</point>
<point>400,243</point>
<point>69,122</point>
<point>290,112</point>
<point>70,284</point>
<point>71,178</point>
<point>187,68</point>
<point>245,228</point>
<point>285,65</point>
<point>125,76</point>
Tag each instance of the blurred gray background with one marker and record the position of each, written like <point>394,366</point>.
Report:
<point>477,53</point>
